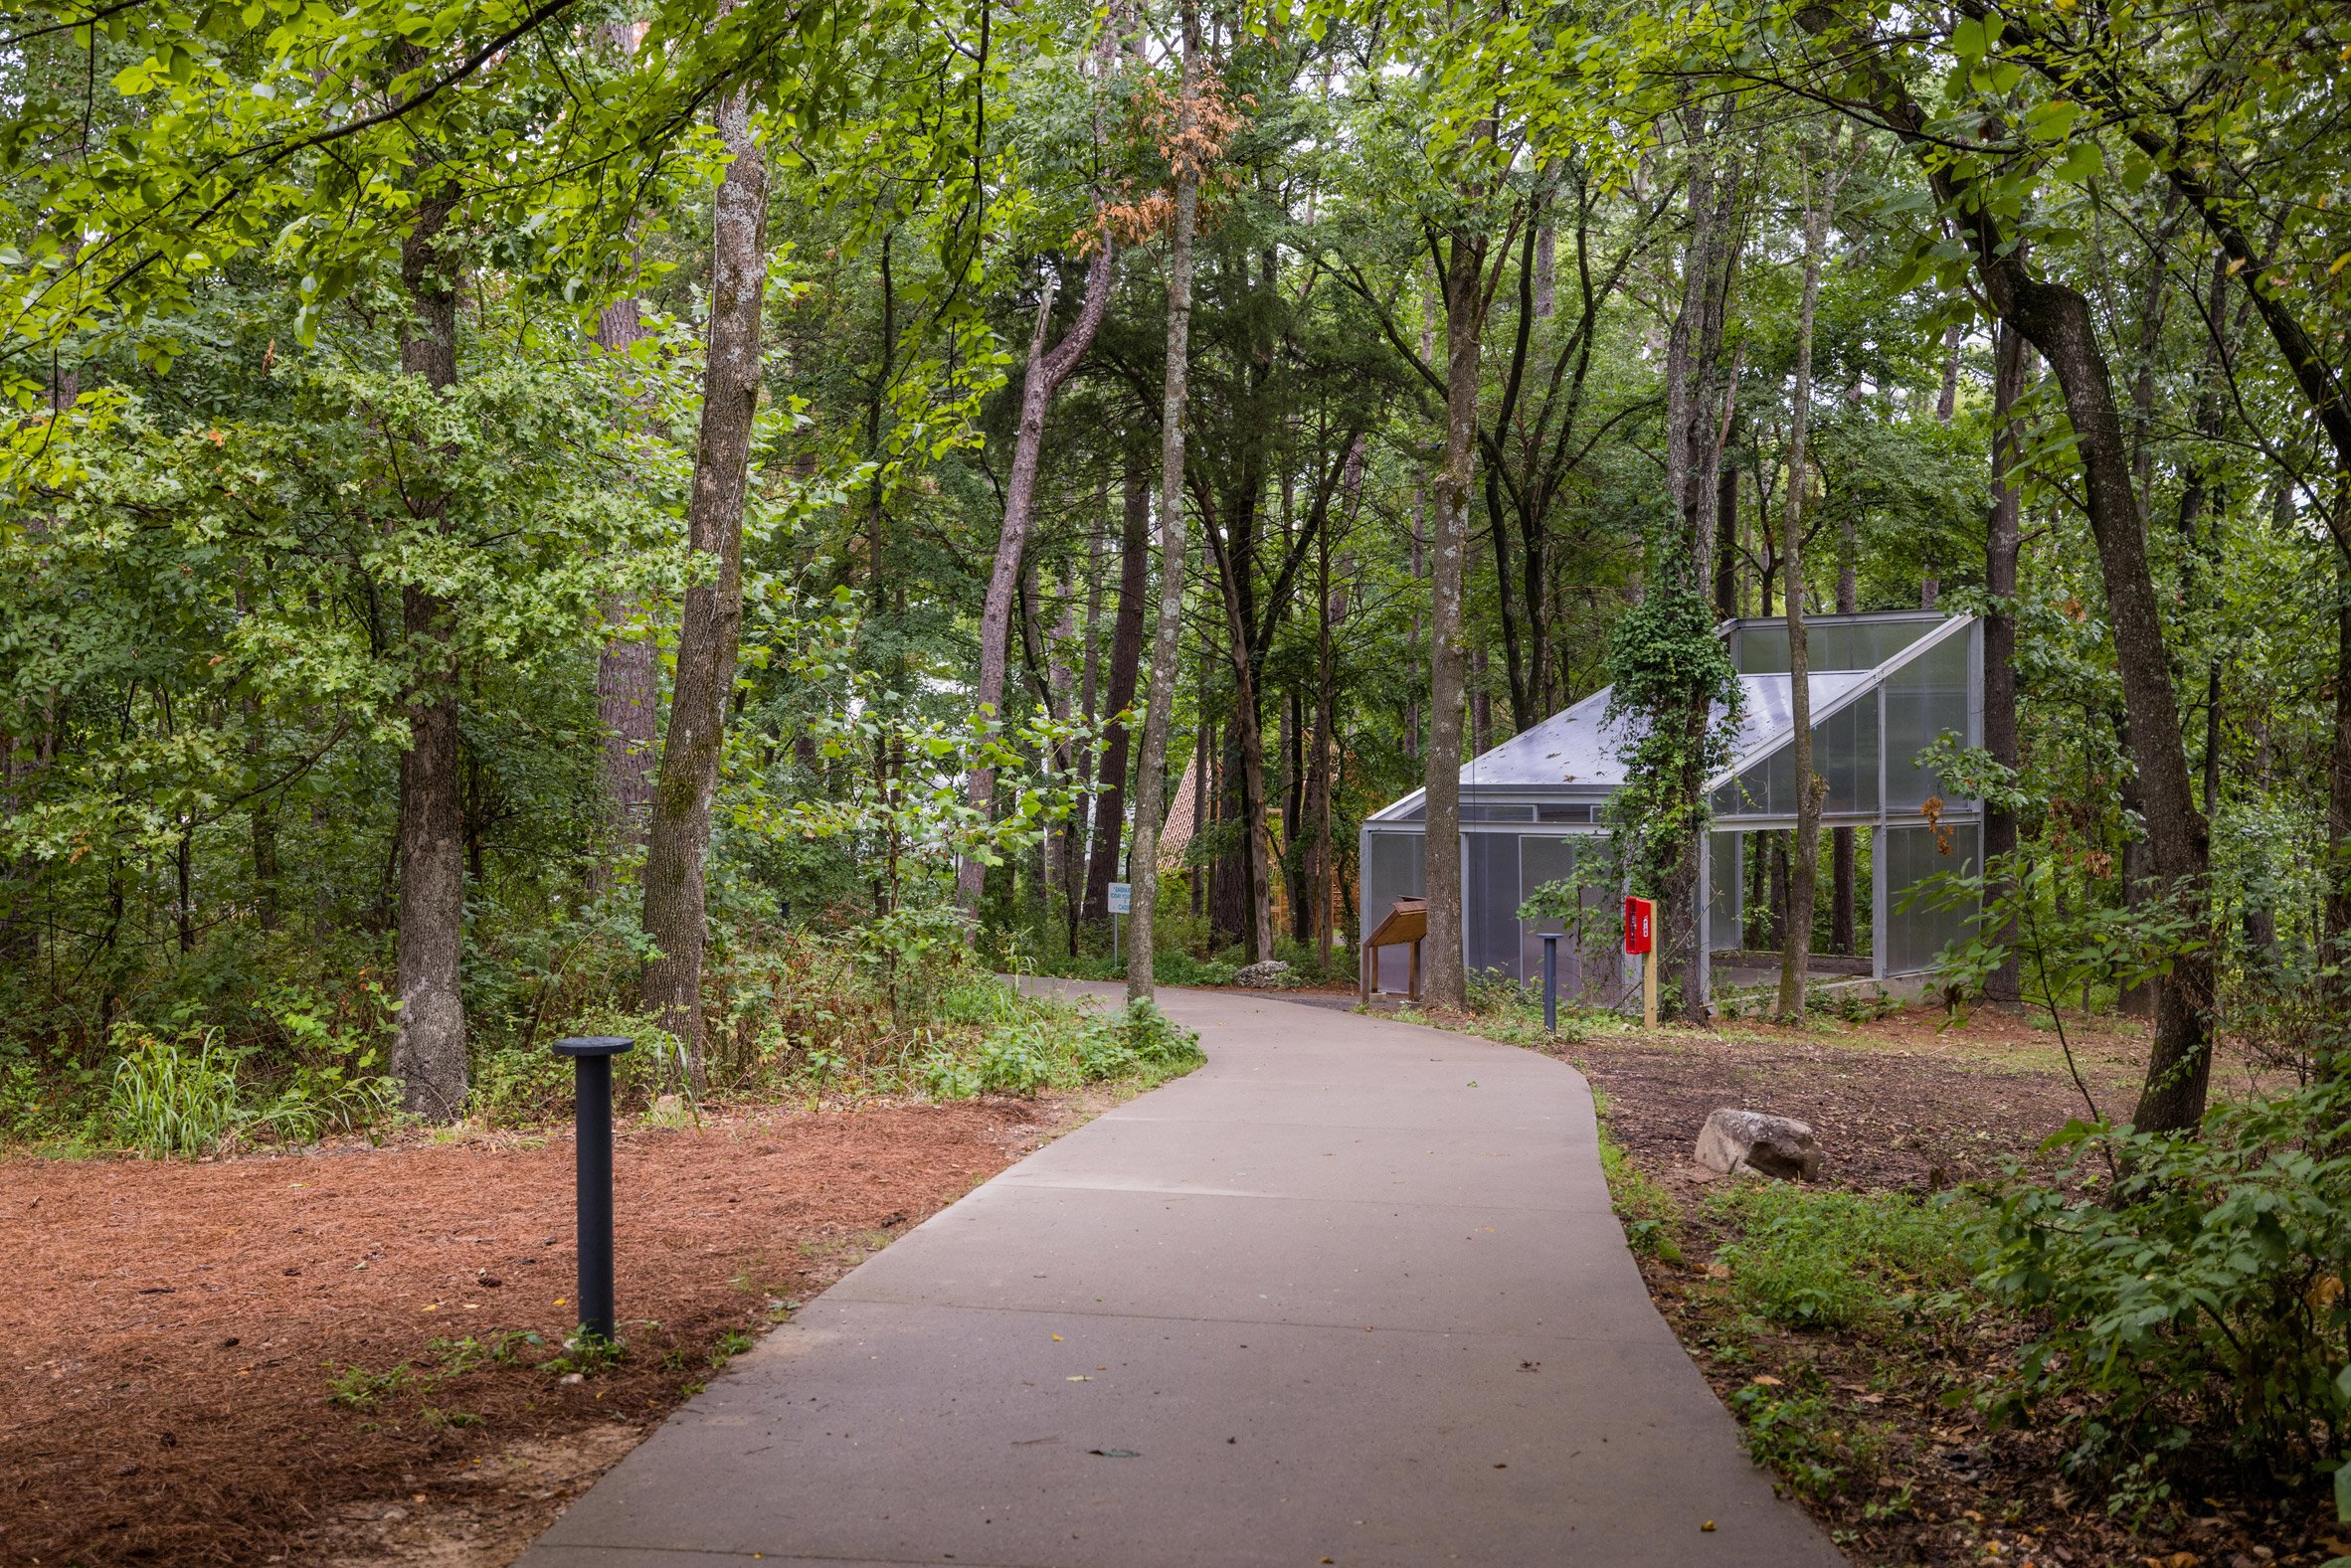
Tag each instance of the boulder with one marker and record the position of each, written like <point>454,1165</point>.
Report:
<point>1739,1141</point>
<point>1272,974</point>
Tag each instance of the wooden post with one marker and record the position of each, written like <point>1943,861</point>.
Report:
<point>1412,972</point>
<point>1649,988</point>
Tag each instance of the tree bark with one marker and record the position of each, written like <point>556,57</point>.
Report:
<point>1174,399</point>
<point>1126,653</point>
<point>1047,370</point>
<point>1804,853</point>
<point>1444,982</point>
<point>428,1038</point>
<point>627,689</point>
<point>2057,320</point>
<point>677,844</point>
<point>2003,540</point>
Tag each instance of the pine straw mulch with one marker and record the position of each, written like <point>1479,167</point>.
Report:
<point>174,1331</point>
<point>1912,1101</point>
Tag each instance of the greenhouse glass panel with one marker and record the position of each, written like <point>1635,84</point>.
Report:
<point>1916,934</point>
<point>1542,860</point>
<point>1724,891</point>
<point>1845,752</point>
<point>1490,902</point>
<point>1393,871</point>
<point>1830,644</point>
<point>1924,698</point>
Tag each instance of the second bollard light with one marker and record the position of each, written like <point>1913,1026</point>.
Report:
<point>592,1077</point>
<point>1550,982</point>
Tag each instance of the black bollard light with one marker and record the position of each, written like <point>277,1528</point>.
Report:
<point>1550,982</point>
<point>592,1069</point>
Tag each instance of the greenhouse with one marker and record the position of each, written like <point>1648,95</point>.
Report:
<point>1884,687</point>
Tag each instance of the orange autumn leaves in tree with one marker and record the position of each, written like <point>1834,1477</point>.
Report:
<point>1195,150</point>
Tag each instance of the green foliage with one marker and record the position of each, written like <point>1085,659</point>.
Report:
<point>1060,1050</point>
<point>1815,1258</point>
<point>1650,1215</point>
<point>2196,1307</point>
<point>184,1097</point>
<point>360,1389</point>
<point>1677,699</point>
<point>1798,1436</point>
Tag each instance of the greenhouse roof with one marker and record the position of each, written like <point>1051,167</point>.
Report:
<point>1576,754</point>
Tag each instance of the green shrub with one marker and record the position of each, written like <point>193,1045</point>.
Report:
<point>943,1075</point>
<point>166,1100</point>
<point>1014,1059</point>
<point>1648,1210</point>
<point>1799,1436</point>
<point>1057,1048</point>
<point>1809,1258</point>
<point>2200,1307</point>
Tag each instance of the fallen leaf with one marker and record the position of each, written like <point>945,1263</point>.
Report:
<point>1708,1526</point>
<point>1768,1380</point>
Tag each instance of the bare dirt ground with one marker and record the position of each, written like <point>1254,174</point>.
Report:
<point>177,1333</point>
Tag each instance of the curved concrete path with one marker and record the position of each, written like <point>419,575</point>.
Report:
<point>1350,1293</point>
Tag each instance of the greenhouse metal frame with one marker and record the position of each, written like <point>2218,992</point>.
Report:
<point>1884,687</point>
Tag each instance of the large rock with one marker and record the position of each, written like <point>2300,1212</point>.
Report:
<point>1737,1142</point>
<point>1272,974</point>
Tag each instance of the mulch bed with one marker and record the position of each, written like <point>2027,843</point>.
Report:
<point>174,1329</point>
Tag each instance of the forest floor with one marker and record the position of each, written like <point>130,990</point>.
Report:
<point>355,1354</point>
<point>1910,1102</point>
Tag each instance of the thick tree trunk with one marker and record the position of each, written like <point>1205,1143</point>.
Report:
<point>1047,370</point>
<point>627,689</point>
<point>1443,980</point>
<point>1126,653</point>
<point>428,1039</point>
<point>677,844</point>
<point>2057,320</point>
<point>1695,413</point>
<point>2003,540</point>
<point>1175,400</point>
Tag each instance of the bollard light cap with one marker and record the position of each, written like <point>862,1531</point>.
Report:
<point>594,1045</point>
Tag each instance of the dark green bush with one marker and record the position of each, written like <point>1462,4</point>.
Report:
<point>2197,1306</point>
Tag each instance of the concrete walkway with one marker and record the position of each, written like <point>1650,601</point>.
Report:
<point>1350,1293</point>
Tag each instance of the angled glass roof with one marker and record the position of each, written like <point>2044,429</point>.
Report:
<point>1578,749</point>
<point>1575,753</point>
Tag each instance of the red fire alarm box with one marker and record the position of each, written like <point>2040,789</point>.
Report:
<point>1640,924</point>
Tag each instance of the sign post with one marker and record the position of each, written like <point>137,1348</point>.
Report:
<point>1640,940</point>
<point>1122,902</point>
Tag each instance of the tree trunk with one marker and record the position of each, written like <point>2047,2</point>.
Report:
<point>627,689</point>
<point>1126,653</point>
<point>677,844</point>
<point>2057,320</point>
<point>1695,417</point>
<point>1727,543</point>
<point>1795,959</point>
<point>1175,400</point>
<point>2003,536</point>
<point>2338,779</point>
<point>1046,372</point>
<point>1843,860</point>
<point>428,1037</point>
<point>1443,981</point>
